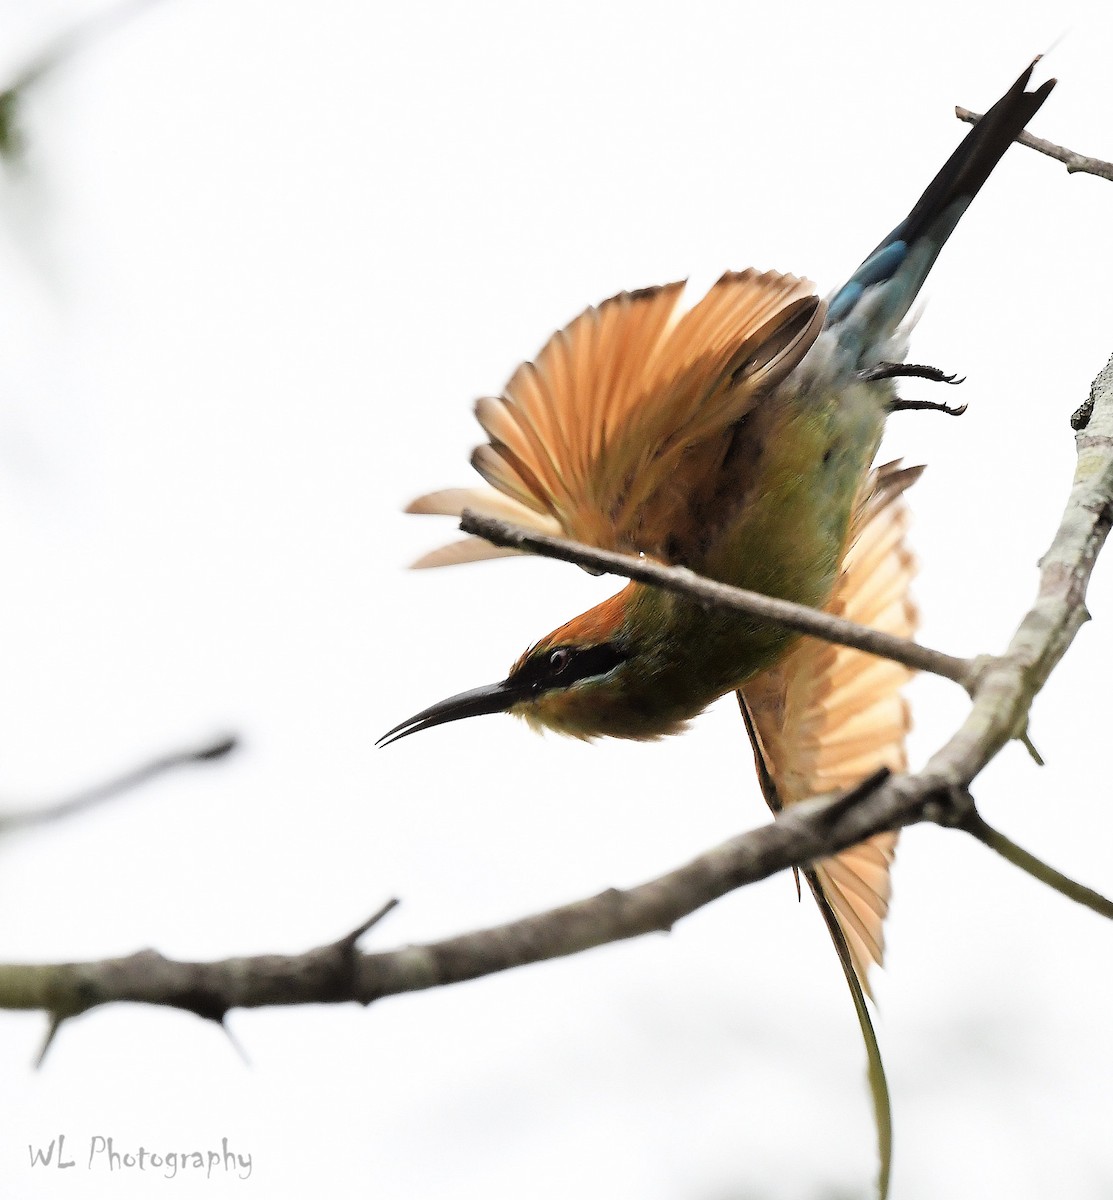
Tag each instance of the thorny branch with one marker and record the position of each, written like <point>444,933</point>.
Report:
<point>1002,689</point>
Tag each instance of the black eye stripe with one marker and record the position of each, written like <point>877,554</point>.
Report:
<point>563,666</point>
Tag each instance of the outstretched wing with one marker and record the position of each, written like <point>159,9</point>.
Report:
<point>592,439</point>
<point>827,716</point>
<point>488,503</point>
<point>824,719</point>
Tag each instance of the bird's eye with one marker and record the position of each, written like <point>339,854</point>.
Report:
<point>560,658</point>
<point>564,667</point>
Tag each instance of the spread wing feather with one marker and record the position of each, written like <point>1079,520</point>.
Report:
<point>588,438</point>
<point>451,502</point>
<point>827,716</point>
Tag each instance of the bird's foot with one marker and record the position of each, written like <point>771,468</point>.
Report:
<point>893,370</point>
<point>899,405</point>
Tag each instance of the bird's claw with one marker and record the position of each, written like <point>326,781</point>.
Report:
<point>894,370</point>
<point>899,405</point>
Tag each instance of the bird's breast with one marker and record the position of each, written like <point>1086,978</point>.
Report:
<point>773,519</point>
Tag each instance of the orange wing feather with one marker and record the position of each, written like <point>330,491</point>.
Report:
<point>827,716</point>
<point>488,503</point>
<point>586,440</point>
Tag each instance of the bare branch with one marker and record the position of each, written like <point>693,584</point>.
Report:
<point>1005,686</point>
<point>977,827</point>
<point>27,818</point>
<point>1074,162</point>
<point>713,594</point>
<point>336,971</point>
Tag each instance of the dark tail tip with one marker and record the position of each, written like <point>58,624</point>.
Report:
<point>963,174</point>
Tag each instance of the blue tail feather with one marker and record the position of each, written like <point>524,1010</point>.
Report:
<point>870,305</point>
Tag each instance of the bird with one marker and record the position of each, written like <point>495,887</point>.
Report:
<point>736,438</point>
<point>732,438</point>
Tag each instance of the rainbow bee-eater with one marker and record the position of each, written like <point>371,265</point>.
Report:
<point>736,439</point>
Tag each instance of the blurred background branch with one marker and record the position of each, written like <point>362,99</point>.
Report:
<point>58,52</point>
<point>44,814</point>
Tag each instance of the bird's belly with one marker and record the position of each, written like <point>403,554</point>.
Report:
<point>788,534</point>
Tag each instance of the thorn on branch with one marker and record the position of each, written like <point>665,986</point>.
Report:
<point>56,1020</point>
<point>203,1004</point>
<point>1029,745</point>
<point>237,1045</point>
<point>347,944</point>
<point>340,959</point>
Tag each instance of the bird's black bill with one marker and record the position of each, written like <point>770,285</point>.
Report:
<point>495,697</point>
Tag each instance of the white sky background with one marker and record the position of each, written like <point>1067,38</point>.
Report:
<point>265,257</point>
